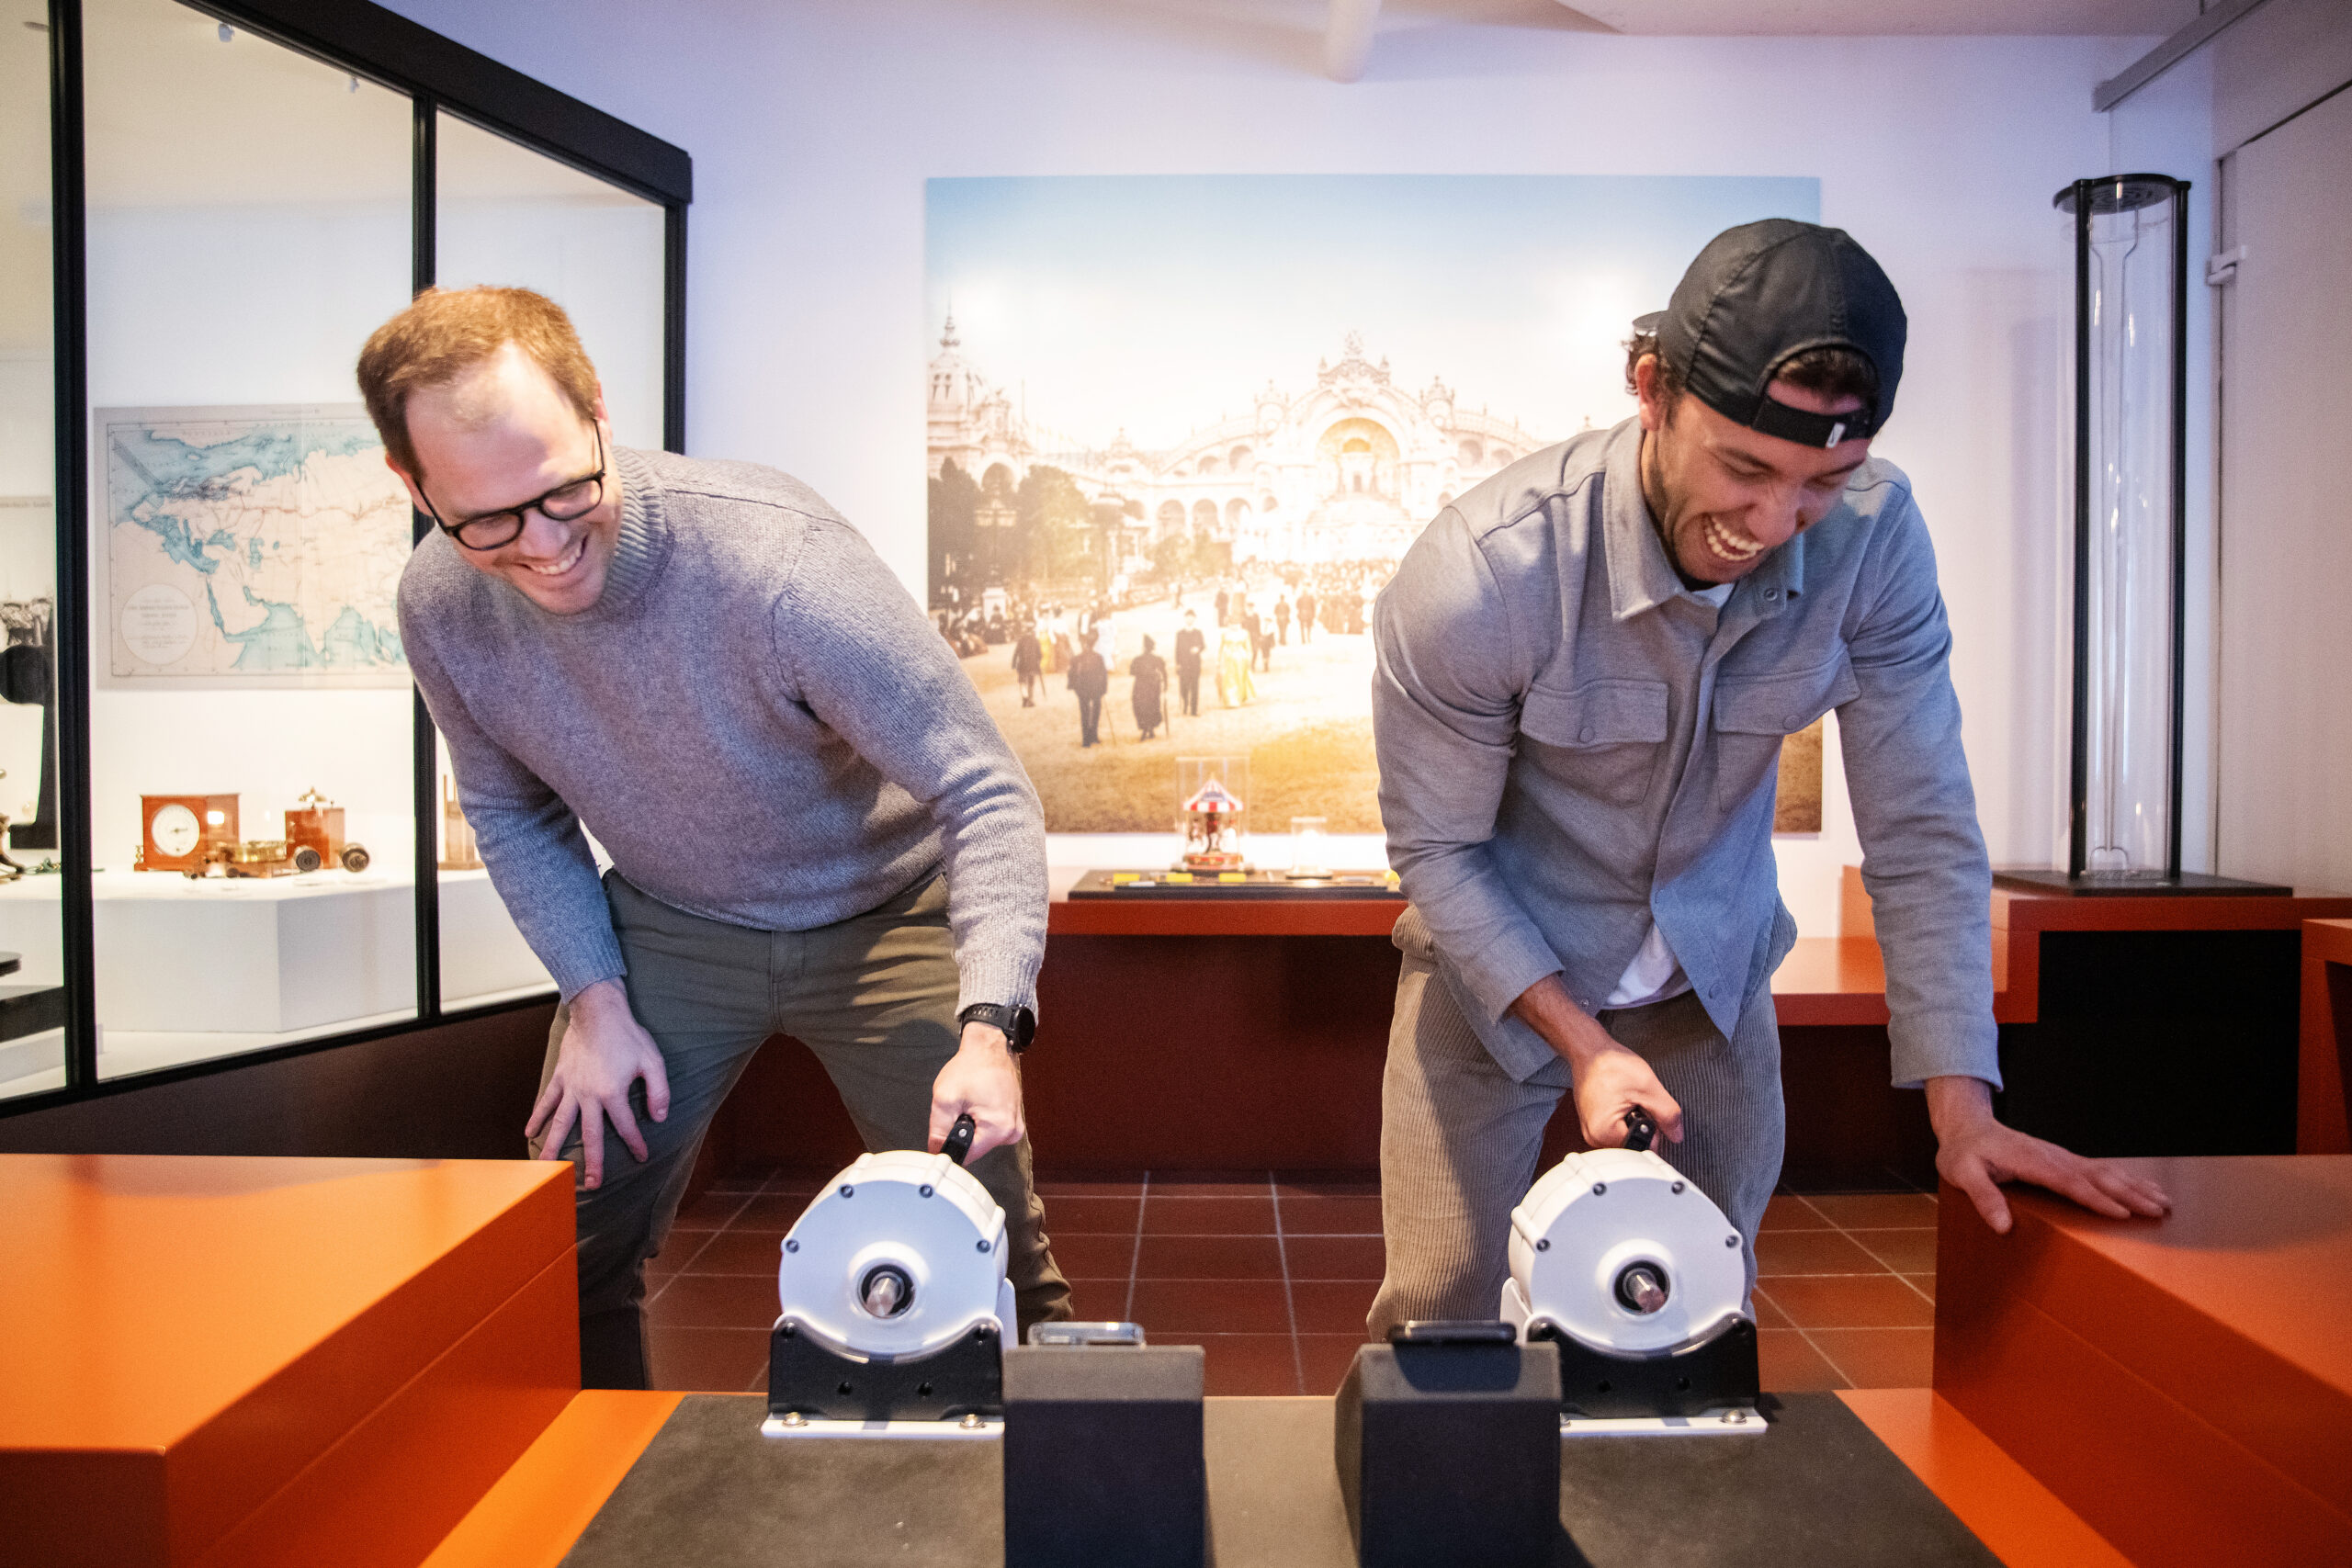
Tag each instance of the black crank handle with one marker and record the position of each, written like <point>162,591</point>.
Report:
<point>1641,1129</point>
<point>959,1138</point>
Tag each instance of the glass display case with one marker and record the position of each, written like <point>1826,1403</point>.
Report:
<point>236,827</point>
<point>510,215</point>
<point>32,1036</point>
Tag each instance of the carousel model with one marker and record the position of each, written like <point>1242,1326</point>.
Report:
<point>1212,824</point>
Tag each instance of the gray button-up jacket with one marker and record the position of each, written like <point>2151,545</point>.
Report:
<point>1572,746</point>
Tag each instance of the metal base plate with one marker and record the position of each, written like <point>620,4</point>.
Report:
<point>968,1429</point>
<point>812,1381</point>
<point>1713,1373</point>
<point>1739,1421</point>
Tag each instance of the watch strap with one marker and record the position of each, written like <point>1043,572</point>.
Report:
<point>1018,1023</point>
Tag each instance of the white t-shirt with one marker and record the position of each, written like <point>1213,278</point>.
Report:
<point>1655,974</point>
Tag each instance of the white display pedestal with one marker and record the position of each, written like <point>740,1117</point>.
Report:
<point>279,956</point>
<point>252,955</point>
<point>484,957</point>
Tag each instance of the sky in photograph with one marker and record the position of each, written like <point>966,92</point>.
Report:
<point>1158,304</point>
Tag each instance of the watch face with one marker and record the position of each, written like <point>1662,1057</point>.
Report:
<point>176,831</point>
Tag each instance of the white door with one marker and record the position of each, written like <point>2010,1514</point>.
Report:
<point>2285,773</point>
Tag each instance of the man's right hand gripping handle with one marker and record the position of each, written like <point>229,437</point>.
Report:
<point>1612,1081</point>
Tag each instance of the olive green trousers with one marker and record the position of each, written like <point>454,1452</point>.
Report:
<point>873,995</point>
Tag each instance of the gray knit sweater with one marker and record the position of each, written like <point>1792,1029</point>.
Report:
<point>755,720</point>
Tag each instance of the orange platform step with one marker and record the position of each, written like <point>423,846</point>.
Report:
<point>216,1362</point>
<point>2184,1385</point>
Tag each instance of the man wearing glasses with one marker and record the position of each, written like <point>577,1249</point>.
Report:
<point>814,826</point>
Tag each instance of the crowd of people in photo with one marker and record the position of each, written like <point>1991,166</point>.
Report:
<point>1228,633</point>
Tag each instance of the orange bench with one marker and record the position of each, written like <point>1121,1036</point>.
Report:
<point>219,1361</point>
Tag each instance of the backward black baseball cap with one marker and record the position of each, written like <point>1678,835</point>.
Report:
<point>1763,293</point>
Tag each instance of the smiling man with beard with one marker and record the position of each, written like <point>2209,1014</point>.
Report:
<point>815,828</point>
<point>1586,668</point>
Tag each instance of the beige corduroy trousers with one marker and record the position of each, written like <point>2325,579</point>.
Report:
<point>1459,1138</point>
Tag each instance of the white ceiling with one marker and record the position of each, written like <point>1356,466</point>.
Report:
<point>1879,17</point>
<point>1851,18</point>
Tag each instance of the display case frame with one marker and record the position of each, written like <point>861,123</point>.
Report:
<point>436,74</point>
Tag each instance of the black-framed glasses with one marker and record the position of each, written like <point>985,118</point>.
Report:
<point>568,501</point>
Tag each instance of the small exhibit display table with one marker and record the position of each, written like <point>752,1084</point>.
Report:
<point>708,1490</point>
<point>1133,886</point>
<point>1248,1031</point>
<point>1274,1498</point>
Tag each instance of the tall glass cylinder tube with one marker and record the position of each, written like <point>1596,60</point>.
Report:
<point>2130,375</point>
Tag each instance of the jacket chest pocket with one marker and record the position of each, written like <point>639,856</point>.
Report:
<point>1603,740</point>
<point>1754,713</point>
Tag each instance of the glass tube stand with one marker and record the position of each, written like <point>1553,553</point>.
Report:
<point>2131,236</point>
<point>2130,394</point>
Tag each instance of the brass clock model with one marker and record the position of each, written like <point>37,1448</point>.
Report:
<point>174,831</point>
<point>177,832</point>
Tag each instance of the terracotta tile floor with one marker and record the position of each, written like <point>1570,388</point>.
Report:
<point>1273,1276</point>
<point>1846,1291</point>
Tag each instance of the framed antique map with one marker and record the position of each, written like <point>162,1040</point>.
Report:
<point>249,547</point>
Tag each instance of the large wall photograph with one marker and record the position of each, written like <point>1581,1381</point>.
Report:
<point>1187,426</point>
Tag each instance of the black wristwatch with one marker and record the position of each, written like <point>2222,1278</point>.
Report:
<point>1020,1025</point>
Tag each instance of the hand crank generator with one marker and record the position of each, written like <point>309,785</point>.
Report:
<point>895,1307</point>
<point>1640,1279</point>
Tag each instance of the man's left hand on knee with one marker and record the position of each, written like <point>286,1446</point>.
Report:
<point>1975,1153</point>
<point>983,1079</point>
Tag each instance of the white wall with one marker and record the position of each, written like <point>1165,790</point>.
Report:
<point>813,127</point>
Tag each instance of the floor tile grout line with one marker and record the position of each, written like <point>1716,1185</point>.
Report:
<point>1135,1253</point>
<point>1885,1267</point>
<point>1806,1336</point>
<point>1890,1269</point>
<point>1289,1306</point>
<point>1827,1360</point>
<point>677,1274</point>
